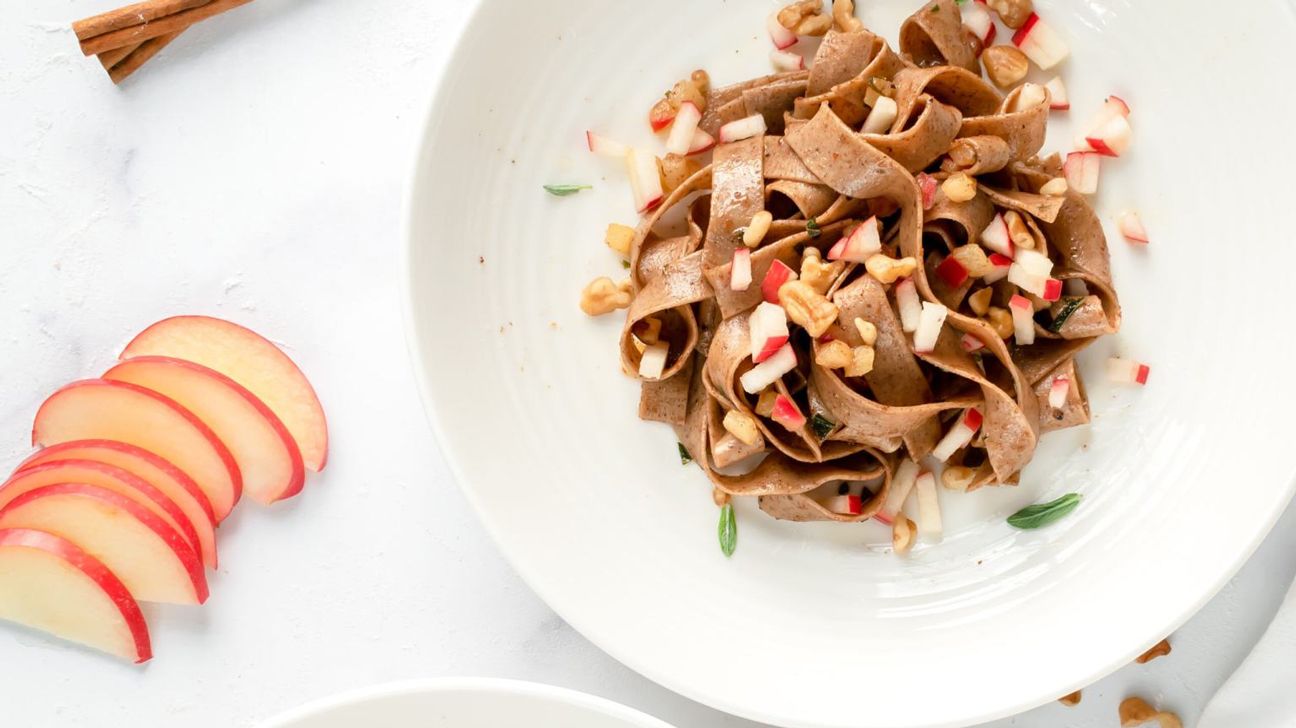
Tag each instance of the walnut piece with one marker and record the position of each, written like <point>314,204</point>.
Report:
<point>1136,712</point>
<point>1160,649</point>
<point>805,17</point>
<point>1005,65</point>
<point>1012,12</point>
<point>1071,699</point>
<point>807,307</point>
<point>603,296</point>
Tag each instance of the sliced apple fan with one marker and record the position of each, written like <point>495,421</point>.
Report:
<point>822,178</point>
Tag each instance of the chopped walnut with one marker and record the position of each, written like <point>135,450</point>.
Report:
<point>1005,65</point>
<point>959,187</point>
<point>619,238</point>
<point>889,270</point>
<point>805,17</point>
<point>742,426</point>
<point>807,307</point>
<point>646,333</point>
<point>817,272</point>
<point>1001,321</point>
<point>1055,187</point>
<point>1071,699</point>
<point>1017,230</point>
<point>1013,13</point>
<point>979,302</point>
<point>867,331</point>
<point>755,231</point>
<point>973,258</point>
<point>902,534</point>
<point>603,296</point>
<point>1136,712</point>
<point>957,477</point>
<point>719,497</point>
<point>765,404</point>
<point>843,14</point>
<point>694,88</point>
<point>861,361</point>
<point>836,354</point>
<point>1160,649</point>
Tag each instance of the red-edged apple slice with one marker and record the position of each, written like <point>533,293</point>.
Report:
<point>786,60</point>
<point>996,238</point>
<point>1040,43</point>
<point>776,275</point>
<point>267,455</point>
<point>781,37</point>
<point>159,473</point>
<point>1023,319</point>
<point>252,361</point>
<point>1058,99</point>
<point>109,478</point>
<point>50,584</point>
<point>910,306</point>
<point>94,409</point>
<point>769,371</point>
<point>151,558</point>
<point>768,329</point>
<point>787,413</point>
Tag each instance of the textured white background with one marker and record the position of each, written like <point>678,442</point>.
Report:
<point>254,171</point>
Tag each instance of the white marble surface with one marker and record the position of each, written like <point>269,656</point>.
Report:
<point>254,171</point>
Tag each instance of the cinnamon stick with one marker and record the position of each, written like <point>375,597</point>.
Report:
<point>139,56</point>
<point>137,14</point>
<point>115,56</point>
<point>159,26</point>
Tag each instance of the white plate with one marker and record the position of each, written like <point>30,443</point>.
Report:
<point>464,703</point>
<point>817,625</point>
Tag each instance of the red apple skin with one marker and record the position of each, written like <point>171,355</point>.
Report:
<point>150,467</point>
<point>96,571</point>
<point>188,559</point>
<point>297,477</point>
<point>222,452</point>
<point>152,341</point>
<point>48,474</point>
<point>86,449</point>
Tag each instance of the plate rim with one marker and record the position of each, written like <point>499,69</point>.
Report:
<point>509,686</point>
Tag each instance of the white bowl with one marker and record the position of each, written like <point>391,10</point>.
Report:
<point>464,703</point>
<point>818,625</point>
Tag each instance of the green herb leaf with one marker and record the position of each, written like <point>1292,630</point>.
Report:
<point>564,190</point>
<point>935,8</point>
<point>821,425</point>
<point>1044,514</point>
<point>812,227</point>
<point>727,530</point>
<point>685,458</point>
<point>625,264</point>
<point>1064,313</point>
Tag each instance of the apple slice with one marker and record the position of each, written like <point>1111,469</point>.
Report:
<point>786,60</point>
<point>768,330</point>
<point>744,128</point>
<point>95,409</point>
<point>252,361</point>
<point>50,584</point>
<point>776,275</point>
<point>108,478</point>
<point>1058,100</point>
<point>159,473</point>
<point>910,306</point>
<point>151,558</point>
<point>267,455</point>
<point>930,321</point>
